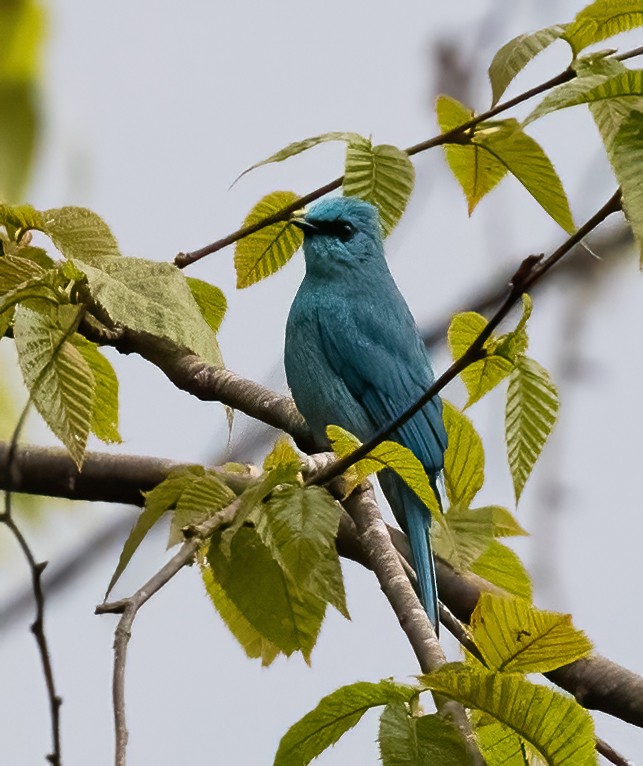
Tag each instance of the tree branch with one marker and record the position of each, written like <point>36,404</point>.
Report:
<point>455,135</point>
<point>596,682</point>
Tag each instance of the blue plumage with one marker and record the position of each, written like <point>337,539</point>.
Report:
<point>354,357</point>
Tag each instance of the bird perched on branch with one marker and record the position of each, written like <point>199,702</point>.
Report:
<point>354,358</point>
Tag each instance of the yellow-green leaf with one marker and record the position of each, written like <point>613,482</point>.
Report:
<point>602,19</point>
<point>480,377</point>
<point>513,635</point>
<point>530,414</point>
<point>524,158</point>
<point>261,254</point>
<point>516,54</point>
<point>463,459</point>
<point>477,171</point>
<point>210,300</point>
<point>382,175</point>
<point>283,453</point>
<point>333,717</point>
<point>502,567</point>
<point>60,382</point>
<point>626,156</point>
<point>555,725</point>
<point>390,455</point>
<point>200,499</point>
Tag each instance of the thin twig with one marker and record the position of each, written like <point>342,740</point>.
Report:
<point>531,270</point>
<point>128,608</point>
<point>607,751</point>
<point>455,135</point>
<point>36,568</point>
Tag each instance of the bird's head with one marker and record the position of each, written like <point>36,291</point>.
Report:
<point>342,231</point>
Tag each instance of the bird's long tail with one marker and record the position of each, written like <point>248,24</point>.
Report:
<point>415,520</point>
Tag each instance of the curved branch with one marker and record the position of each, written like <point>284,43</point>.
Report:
<point>596,682</point>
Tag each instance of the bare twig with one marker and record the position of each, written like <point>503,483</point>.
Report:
<point>456,135</point>
<point>128,608</point>
<point>607,751</point>
<point>36,568</point>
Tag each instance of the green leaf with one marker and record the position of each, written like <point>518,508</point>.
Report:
<point>407,740</point>
<point>210,300</point>
<point>513,344</point>
<point>254,644</point>
<point>477,171</point>
<point>480,377</point>
<point>282,454</point>
<point>390,455</point>
<point>382,175</point>
<point>333,717</point>
<point>299,525</point>
<point>297,147</point>
<point>104,417</point>
<point>589,90</point>
<point>157,502</point>
<point>276,608</point>
<point>555,725</point>
<point>261,254</point>
<point>499,744</point>
<point>526,160</point>
<point>602,19</point>
<point>60,382</point>
<point>200,499</point>
<point>514,56</point>
<point>609,114</point>
<point>502,567</point>
<point>530,414</point>
<point>626,156</point>
<point>151,297</point>
<point>469,532</point>
<point>15,271</point>
<point>22,27</point>
<point>463,459</point>
<point>513,635</point>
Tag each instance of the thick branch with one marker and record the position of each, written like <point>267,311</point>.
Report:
<point>596,682</point>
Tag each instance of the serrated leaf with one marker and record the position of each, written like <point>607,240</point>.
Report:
<point>283,453</point>
<point>261,254</point>
<point>157,502</point>
<point>210,300</point>
<point>602,19</point>
<point>256,584</point>
<point>513,344</point>
<point>200,499</point>
<point>151,297</point>
<point>59,380</point>
<point>477,171</point>
<point>530,414</point>
<point>626,156</point>
<point>390,455</point>
<point>15,271</point>
<point>254,644</point>
<point>524,158</point>
<point>514,56</point>
<point>297,147</point>
<point>609,114</point>
<point>589,90</point>
<point>463,459</point>
<point>514,636</point>
<point>498,743</point>
<point>382,175</point>
<point>480,377</point>
<point>407,740</point>
<point>555,725</point>
<point>299,525</point>
<point>502,567</point>
<point>334,716</point>
<point>104,417</point>
<point>469,532</point>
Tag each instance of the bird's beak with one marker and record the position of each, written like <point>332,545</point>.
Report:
<point>301,223</point>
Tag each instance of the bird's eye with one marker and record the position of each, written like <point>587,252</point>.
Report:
<point>342,230</point>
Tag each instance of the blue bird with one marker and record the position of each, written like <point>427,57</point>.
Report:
<point>354,358</point>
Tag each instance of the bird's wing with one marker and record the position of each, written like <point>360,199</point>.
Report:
<point>385,372</point>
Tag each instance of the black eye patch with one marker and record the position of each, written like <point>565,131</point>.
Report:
<point>342,230</point>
